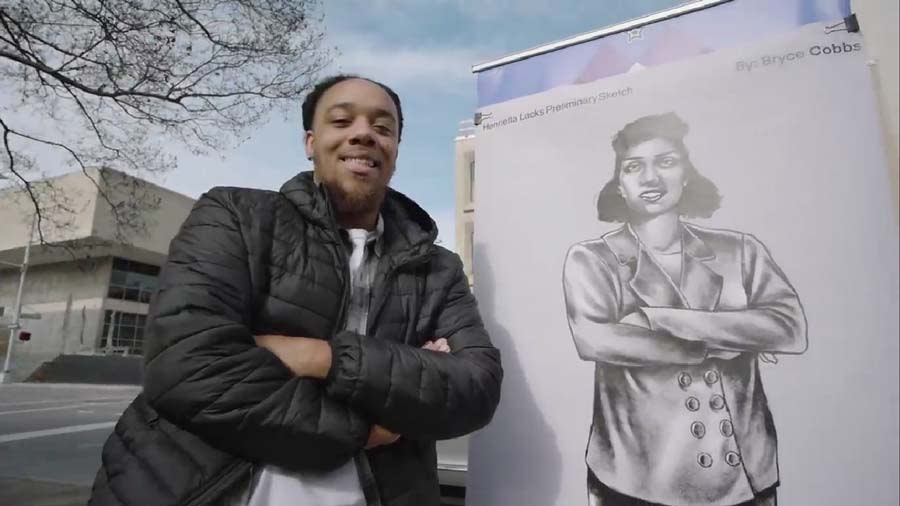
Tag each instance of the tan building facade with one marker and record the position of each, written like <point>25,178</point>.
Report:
<point>464,170</point>
<point>86,291</point>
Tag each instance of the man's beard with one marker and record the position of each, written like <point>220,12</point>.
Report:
<point>357,199</point>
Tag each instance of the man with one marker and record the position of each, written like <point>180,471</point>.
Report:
<point>307,346</point>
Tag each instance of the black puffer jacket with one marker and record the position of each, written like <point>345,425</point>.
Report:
<point>215,406</point>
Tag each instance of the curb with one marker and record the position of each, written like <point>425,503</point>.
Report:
<point>92,386</point>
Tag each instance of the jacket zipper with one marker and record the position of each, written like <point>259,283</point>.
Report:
<point>341,320</point>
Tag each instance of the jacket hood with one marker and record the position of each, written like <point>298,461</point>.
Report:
<point>409,231</point>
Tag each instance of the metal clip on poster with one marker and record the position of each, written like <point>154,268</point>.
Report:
<point>849,24</point>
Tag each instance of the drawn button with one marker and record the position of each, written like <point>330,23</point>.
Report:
<point>685,380</point>
<point>692,404</point>
<point>717,402</point>
<point>711,377</point>
<point>733,459</point>
<point>698,430</point>
<point>726,428</point>
<point>704,459</point>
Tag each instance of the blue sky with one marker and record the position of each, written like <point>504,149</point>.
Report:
<point>424,50</point>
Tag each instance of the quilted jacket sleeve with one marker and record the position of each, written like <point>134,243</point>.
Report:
<point>204,371</point>
<point>423,394</point>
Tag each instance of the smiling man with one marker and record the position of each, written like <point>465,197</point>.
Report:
<point>355,169</point>
<point>307,346</point>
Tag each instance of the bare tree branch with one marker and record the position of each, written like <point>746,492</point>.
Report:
<point>29,187</point>
<point>138,76</point>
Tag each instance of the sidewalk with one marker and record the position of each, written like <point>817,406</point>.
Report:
<point>25,492</point>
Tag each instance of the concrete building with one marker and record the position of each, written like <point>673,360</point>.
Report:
<point>89,288</point>
<point>464,170</point>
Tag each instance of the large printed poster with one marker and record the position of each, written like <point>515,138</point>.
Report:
<point>691,270</point>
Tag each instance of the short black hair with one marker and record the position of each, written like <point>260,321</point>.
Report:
<point>700,198</point>
<point>311,101</point>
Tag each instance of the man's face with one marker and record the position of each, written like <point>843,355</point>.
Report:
<point>353,143</point>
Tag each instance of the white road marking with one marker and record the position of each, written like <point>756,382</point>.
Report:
<point>56,408</point>
<point>30,403</point>
<point>67,386</point>
<point>55,432</point>
<point>57,401</point>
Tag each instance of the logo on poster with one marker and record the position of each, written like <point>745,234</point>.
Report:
<point>635,34</point>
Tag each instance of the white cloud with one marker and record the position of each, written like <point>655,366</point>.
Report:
<point>197,174</point>
<point>445,69</point>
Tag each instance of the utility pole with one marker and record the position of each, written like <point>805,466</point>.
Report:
<point>17,311</point>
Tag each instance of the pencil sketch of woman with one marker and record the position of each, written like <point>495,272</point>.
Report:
<point>676,318</point>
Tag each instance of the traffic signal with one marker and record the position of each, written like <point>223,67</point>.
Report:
<point>24,335</point>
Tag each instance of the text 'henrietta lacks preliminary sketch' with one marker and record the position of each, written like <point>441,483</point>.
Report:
<point>676,318</point>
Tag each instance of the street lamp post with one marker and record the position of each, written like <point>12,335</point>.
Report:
<point>17,311</point>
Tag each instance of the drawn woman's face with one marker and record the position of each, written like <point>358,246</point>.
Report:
<point>652,177</point>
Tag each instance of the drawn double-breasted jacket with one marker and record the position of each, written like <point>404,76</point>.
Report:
<point>680,415</point>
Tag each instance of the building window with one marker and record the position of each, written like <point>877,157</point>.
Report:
<point>123,332</point>
<point>133,280</point>
<point>471,186</point>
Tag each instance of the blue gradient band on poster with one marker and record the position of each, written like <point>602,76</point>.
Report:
<point>725,25</point>
<point>690,268</point>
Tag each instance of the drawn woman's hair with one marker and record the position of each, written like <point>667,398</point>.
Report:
<point>700,198</point>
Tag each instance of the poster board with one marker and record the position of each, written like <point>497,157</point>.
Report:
<point>786,127</point>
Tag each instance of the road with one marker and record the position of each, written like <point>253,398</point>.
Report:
<point>51,437</point>
<point>50,440</point>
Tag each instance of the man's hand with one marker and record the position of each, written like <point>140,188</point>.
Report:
<point>379,436</point>
<point>304,356</point>
<point>440,345</point>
